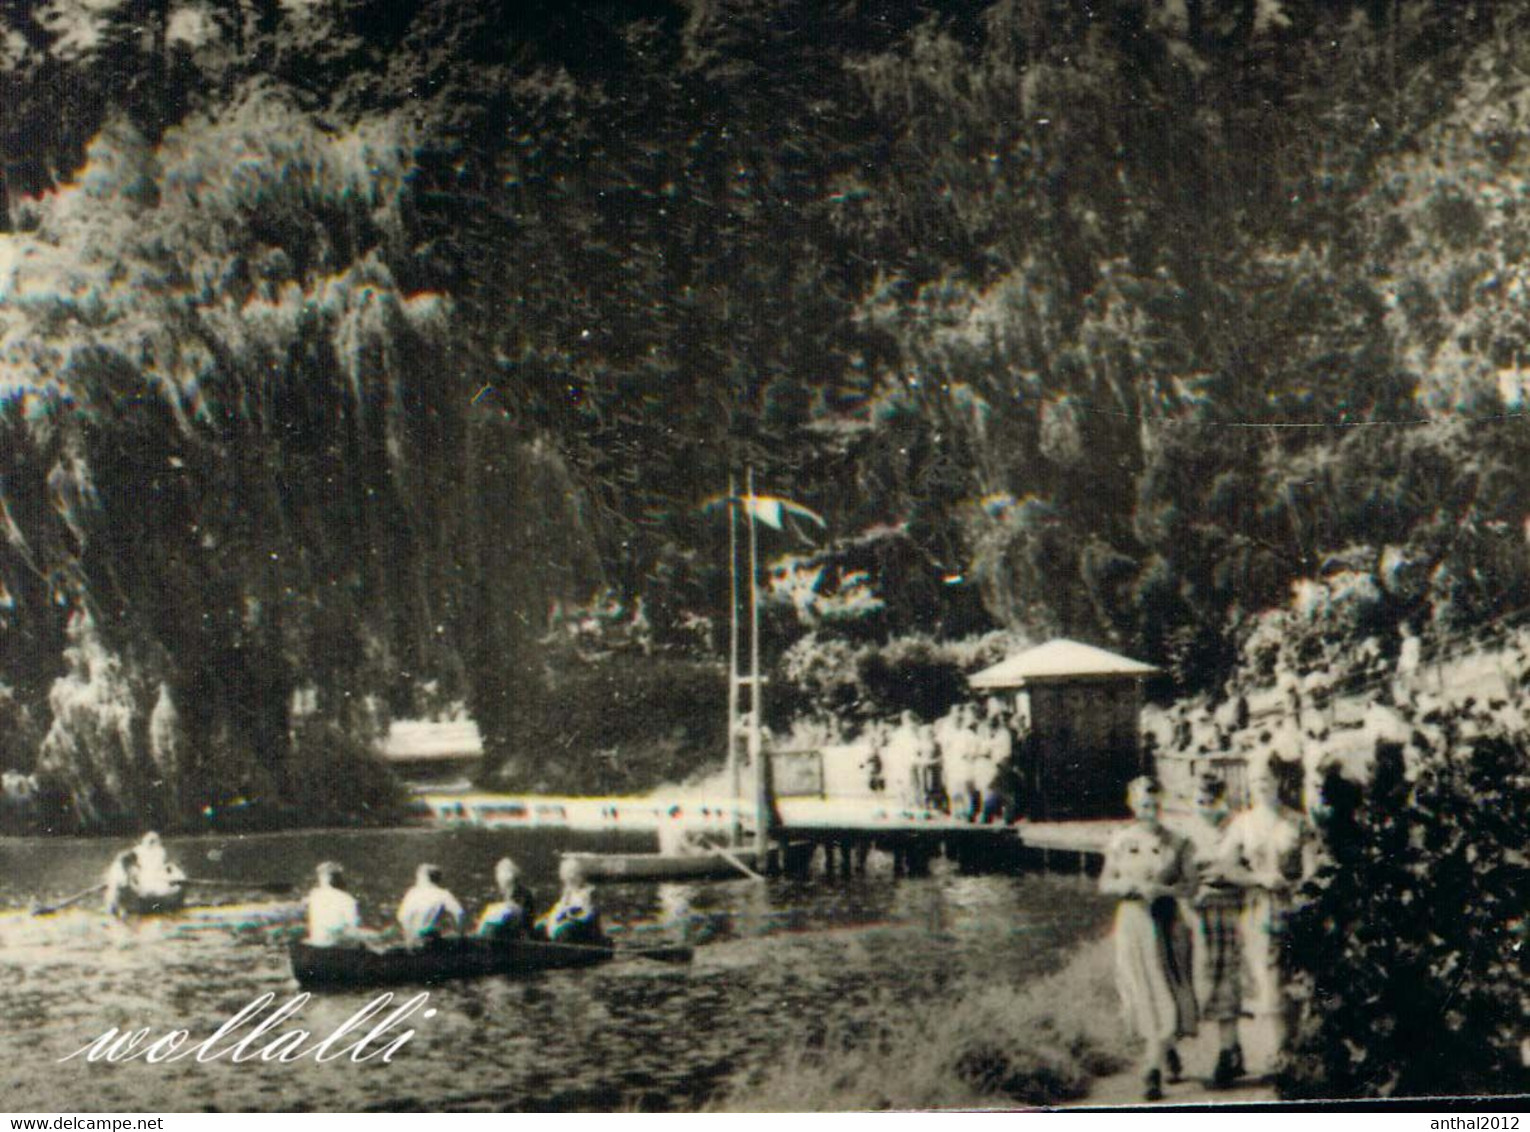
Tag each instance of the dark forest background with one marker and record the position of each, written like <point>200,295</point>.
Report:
<point>362,359</point>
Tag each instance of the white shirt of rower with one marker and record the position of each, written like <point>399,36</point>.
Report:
<point>333,917</point>
<point>498,913</point>
<point>427,907</point>
<point>574,903</point>
<point>157,876</point>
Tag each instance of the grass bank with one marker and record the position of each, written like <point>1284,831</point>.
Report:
<point>981,1046</point>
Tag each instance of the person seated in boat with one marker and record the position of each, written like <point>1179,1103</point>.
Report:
<point>334,920</point>
<point>510,916</point>
<point>428,910</point>
<point>676,840</point>
<point>121,877</point>
<point>157,875</point>
<point>574,918</point>
<point>676,911</point>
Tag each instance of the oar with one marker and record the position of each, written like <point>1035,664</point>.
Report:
<point>679,953</point>
<point>273,886</point>
<point>49,909</point>
<point>676,954</point>
<point>739,865</point>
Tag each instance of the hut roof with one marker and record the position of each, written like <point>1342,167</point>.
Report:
<point>1060,660</point>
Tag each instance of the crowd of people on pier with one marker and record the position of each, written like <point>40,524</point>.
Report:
<point>1199,920</point>
<point>960,764</point>
<point>429,912</point>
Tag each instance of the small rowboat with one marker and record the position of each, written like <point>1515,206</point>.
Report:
<point>703,865</point>
<point>322,968</point>
<point>133,903</point>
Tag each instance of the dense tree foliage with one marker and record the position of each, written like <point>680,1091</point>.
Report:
<point>342,343</point>
<point>1407,953</point>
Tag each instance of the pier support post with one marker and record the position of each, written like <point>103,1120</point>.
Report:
<point>918,860</point>
<point>966,857</point>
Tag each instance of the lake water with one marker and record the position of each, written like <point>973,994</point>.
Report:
<point>786,962</point>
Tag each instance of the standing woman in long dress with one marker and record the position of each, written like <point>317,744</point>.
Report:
<point>1263,853</point>
<point>1218,945</point>
<point>1151,869</point>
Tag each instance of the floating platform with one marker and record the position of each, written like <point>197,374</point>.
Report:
<point>705,865</point>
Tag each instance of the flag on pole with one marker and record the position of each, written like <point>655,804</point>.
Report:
<point>768,509</point>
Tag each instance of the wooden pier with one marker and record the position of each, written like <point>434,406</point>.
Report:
<point>914,837</point>
<point>1072,846</point>
<point>836,835</point>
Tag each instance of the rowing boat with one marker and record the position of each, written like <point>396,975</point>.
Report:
<point>436,962</point>
<point>134,903</point>
<point>445,959</point>
<point>704,865</point>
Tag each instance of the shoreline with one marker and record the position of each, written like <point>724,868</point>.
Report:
<point>638,813</point>
<point>991,1046</point>
<point>1056,1042</point>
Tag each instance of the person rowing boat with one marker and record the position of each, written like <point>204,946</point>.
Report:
<point>428,909</point>
<point>334,919</point>
<point>575,917</point>
<point>121,877</point>
<point>157,874</point>
<point>142,874</point>
<point>510,916</point>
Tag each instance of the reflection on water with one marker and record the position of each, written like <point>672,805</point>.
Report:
<point>779,964</point>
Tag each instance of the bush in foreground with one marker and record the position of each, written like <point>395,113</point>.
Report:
<point>987,1045</point>
<point>1407,951</point>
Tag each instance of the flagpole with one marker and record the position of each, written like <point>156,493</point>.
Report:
<point>734,777</point>
<point>756,700</point>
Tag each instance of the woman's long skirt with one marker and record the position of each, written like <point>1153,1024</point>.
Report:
<point>1263,924</point>
<point>1219,959</point>
<point>1153,972</point>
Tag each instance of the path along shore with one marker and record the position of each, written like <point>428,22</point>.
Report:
<point>1199,1055</point>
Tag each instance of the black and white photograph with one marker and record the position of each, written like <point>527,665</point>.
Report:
<point>763,555</point>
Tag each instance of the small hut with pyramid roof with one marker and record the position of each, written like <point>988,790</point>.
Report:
<point>1080,732</point>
